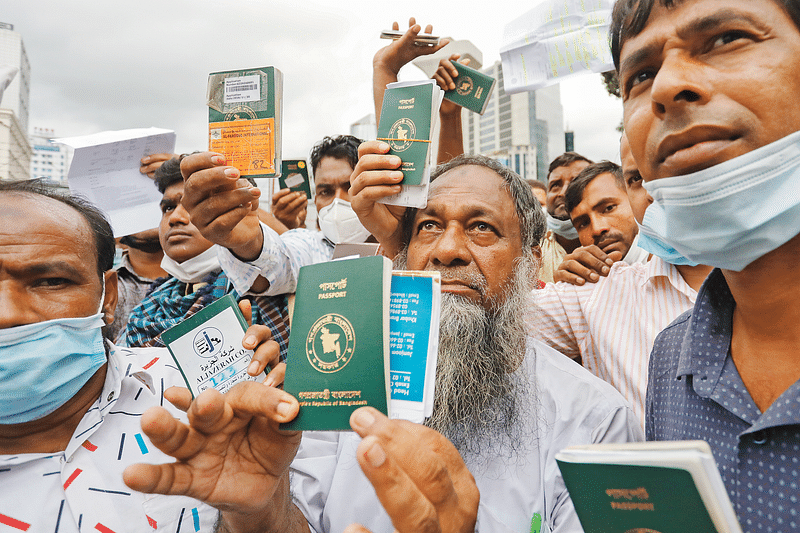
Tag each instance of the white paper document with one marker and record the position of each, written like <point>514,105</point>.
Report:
<point>105,169</point>
<point>557,39</point>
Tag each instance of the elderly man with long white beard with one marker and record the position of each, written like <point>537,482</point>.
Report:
<point>505,403</point>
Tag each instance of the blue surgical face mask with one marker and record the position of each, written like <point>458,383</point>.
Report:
<point>43,365</point>
<point>564,228</point>
<point>731,214</point>
<point>654,244</point>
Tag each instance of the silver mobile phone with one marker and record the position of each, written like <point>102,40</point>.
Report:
<point>421,39</point>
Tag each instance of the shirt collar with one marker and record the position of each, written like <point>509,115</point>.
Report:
<point>707,340</point>
<point>125,266</point>
<point>122,365</point>
<point>658,268</point>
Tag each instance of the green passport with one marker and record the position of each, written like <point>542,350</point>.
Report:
<point>338,356</point>
<point>244,119</point>
<point>664,487</point>
<point>294,176</point>
<point>473,89</point>
<point>406,123</point>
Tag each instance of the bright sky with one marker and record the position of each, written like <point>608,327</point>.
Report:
<point>102,65</point>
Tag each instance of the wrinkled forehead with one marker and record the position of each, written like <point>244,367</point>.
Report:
<point>24,215</point>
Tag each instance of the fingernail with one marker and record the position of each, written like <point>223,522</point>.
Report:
<point>383,147</point>
<point>218,160</point>
<point>580,281</point>
<point>397,176</point>
<point>250,340</point>
<point>362,419</point>
<point>605,270</point>
<point>396,161</point>
<point>594,276</point>
<point>253,368</point>
<point>284,408</point>
<point>609,261</point>
<point>232,172</point>
<point>270,381</point>
<point>375,455</point>
<point>146,159</point>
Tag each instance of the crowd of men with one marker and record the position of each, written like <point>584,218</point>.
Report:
<point>657,299</point>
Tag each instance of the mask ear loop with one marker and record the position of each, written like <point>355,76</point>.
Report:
<point>102,296</point>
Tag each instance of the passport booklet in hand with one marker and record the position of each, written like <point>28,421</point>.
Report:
<point>409,114</point>
<point>244,119</point>
<point>664,487</point>
<point>339,343</point>
<point>362,335</point>
<point>473,88</point>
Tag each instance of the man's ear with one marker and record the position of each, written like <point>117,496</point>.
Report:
<point>110,300</point>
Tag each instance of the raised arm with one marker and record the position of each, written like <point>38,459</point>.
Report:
<point>451,139</point>
<point>388,61</point>
<point>377,176</point>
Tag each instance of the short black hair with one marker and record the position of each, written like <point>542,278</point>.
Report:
<point>531,218</point>
<point>565,160</point>
<point>340,147</point>
<point>98,223</point>
<point>574,194</point>
<point>169,173</point>
<point>629,18</point>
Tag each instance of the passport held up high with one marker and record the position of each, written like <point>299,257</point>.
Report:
<point>408,116</point>
<point>244,119</point>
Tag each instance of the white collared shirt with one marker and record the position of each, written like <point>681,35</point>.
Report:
<point>81,488</point>
<point>280,260</point>
<point>569,407</point>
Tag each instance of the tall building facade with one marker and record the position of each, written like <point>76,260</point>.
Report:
<point>49,161</point>
<point>15,150</point>
<point>525,130</point>
<point>365,128</point>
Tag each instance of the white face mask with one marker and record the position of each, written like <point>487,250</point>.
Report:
<point>563,228</point>
<point>195,269</point>
<point>731,214</point>
<point>340,224</point>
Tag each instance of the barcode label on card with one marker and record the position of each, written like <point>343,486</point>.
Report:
<point>242,88</point>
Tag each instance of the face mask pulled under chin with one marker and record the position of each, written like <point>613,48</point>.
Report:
<point>192,270</point>
<point>340,224</point>
<point>731,214</point>
<point>563,228</point>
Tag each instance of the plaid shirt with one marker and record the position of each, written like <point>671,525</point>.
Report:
<point>168,304</point>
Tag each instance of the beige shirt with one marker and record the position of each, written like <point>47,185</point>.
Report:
<point>552,255</point>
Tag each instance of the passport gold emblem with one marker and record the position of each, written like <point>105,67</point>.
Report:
<point>330,343</point>
<point>464,85</point>
<point>402,134</point>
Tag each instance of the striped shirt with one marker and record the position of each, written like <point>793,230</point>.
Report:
<point>612,324</point>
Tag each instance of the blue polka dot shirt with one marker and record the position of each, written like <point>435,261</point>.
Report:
<point>695,392</point>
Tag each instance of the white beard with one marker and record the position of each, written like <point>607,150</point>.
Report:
<point>484,402</point>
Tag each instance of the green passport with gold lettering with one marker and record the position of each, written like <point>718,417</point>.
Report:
<point>647,487</point>
<point>338,356</point>
<point>408,115</point>
<point>473,89</point>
